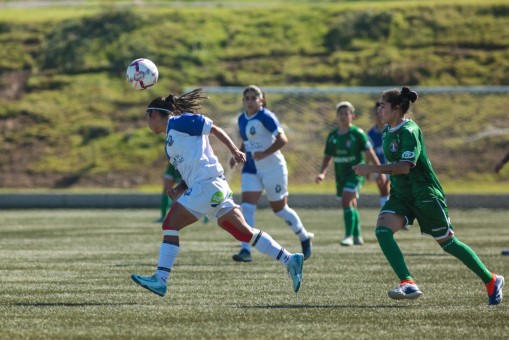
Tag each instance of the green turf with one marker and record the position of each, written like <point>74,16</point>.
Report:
<point>65,275</point>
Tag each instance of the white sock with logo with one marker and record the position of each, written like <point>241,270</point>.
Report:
<point>264,243</point>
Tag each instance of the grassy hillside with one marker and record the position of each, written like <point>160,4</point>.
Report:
<point>68,117</point>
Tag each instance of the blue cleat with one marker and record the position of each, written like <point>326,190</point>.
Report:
<point>152,283</point>
<point>405,291</point>
<point>295,270</point>
<point>496,297</point>
<point>306,246</point>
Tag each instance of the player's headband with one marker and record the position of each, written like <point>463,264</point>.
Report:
<point>158,108</point>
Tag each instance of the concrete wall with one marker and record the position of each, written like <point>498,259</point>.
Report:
<point>116,201</point>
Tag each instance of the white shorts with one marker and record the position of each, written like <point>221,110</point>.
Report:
<point>211,197</point>
<point>275,184</point>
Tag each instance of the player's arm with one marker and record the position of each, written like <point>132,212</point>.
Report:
<point>238,156</point>
<point>280,141</point>
<point>323,170</point>
<point>400,168</point>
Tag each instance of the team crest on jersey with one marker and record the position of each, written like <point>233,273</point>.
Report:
<point>393,146</point>
<point>169,140</point>
<point>252,130</point>
<point>216,199</point>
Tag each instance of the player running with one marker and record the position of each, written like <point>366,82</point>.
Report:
<point>203,189</point>
<point>265,168</point>
<point>416,194</point>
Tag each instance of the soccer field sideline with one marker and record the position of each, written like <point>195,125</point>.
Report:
<point>140,201</point>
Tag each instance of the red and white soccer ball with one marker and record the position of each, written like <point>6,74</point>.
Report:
<point>142,74</point>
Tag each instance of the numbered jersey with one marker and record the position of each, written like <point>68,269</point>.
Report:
<point>347,149</point>
<point>405,142</point>
<point>188,148</point>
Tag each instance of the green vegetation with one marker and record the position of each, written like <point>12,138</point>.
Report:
<point>65,104</point>
<point>66,275</point>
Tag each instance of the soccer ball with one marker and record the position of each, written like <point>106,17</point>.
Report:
<point>142,74</point>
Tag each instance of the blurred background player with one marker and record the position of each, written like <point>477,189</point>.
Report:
<point>347,145</point>
<point>416,193</point>
<point>265,168</point>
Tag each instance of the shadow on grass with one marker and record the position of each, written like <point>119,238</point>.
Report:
<point>324,306</point>
<point>78,304</point>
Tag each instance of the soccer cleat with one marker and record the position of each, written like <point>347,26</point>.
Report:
<point>358,241</point>
<point>243,256</point>
<point>295,270</point>
<point>347,241</point>
<point>306,246</point>
<point>496,297</point>
<point>405,291</point>
<point>152,283</point>
<point>505,252</point>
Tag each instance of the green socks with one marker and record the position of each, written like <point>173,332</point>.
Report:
<point>348,216</point>
<point>357,223</point>
<point>392,252</point>
<point>466,255</point>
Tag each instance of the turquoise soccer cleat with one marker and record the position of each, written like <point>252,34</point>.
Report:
<point>295,270</point>
<point>152,283</point>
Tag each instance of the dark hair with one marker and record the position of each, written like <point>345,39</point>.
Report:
<point>401,98</point>
<point>186,103</point>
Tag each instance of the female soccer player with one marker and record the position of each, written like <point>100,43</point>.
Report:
<point>265,168</point>
<point>203,189</point>
<point>416,194</point>
<point>347,145</point>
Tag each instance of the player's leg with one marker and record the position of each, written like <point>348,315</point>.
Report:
<point>234,223</point>
<point>350,215</point>
<point>391,220</point>
<point>292,219</point>
<point>177,218</point>
<point>251,187</point>
<point>434,220</point>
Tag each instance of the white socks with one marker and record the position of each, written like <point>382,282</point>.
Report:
<point>167,256</point>
<point>264,243</point>
<point>292,219</point>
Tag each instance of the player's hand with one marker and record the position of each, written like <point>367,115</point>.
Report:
<point>238,157</point>
<point>258,155</point>
<point>361,169</point>
<point>319,178</point>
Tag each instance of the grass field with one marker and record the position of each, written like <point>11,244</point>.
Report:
<point>65,275</point>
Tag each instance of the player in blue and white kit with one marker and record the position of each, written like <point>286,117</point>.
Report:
<point>265,168</point>
<point>203,189</point>
<point>375,135</point>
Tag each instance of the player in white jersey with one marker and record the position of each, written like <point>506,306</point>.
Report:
<point>203,189</point>
<point>265,168</point>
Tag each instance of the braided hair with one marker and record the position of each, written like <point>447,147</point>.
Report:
<point>186,103</point>
<point>402,98</point>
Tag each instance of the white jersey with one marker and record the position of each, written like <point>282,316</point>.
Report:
<point>258,133</point>
<point>188,148</point>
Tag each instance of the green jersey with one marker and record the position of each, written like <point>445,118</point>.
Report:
<point>406,143</point>
<point>347,149</point>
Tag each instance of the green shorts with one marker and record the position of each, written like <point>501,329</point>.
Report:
<point>172,173</point>
<point>351,183</point>
<point>432,215</point>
